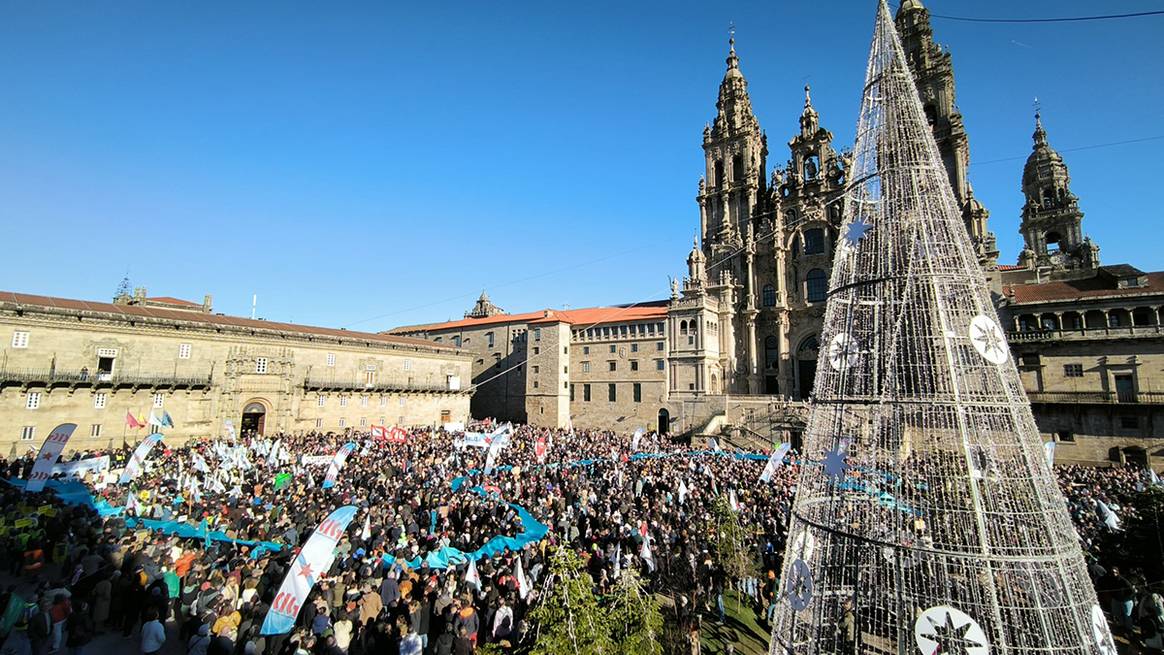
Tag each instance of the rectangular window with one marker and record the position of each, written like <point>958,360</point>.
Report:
<point>565,350</point>
<point>343,401</point>
<point>535,384</point>
<point>154,429</point>
<point>585,367</point>
<point>363,401</point>
<point>659,365</point>
<point>611,366</point>
<point>613,348</point>
<point>634,347</point>
<point>489,339</point>
<point>1065,435</point>
<point>408,364</point>
<point>537,350</point>
<point>19,339</point>
<point>659,346</point>
<point>457,340</point>
<point>565,370</point>
<point>99,400</point>
<point>585,350</point>
<point>571,393</point>
<point>319,423</point>
<point>1073,370</point>
<point>383,403</point>
<point>95,430</point>
<point>536,370</point>
<point>331,359</point>
<point>634,364</point>
<point>363,421</point>
<point>321,400</point>
<point>27,433</point>
<point>343,422</point>
<point>260,365</point>
<point>183,351</point>
<point>33,400</point>
<point>537,334</point>
<point>159,399</point>
<point>611,392</point>
<point>586,393</point>
<point>638,391</point>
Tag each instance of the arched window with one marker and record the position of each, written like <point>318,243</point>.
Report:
<point>816,285</point>
<point>1053,245</point>
<point>811,167</point>
<point>682,327</point>
<point>769,295</point>
<point>814,241</point>
<point>771,352</point>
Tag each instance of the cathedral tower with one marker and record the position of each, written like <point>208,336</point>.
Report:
<point>1051,220</point>
<point>933,73</point>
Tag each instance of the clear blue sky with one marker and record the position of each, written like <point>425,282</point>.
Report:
<point>380,165</point>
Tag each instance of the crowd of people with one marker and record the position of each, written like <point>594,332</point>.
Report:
<point>78,570</point>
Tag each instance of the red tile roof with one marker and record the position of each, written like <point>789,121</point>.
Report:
<point>1092,288</point>
<point>181,315</point>
<point>654,309</point>
<point>1010,267</point>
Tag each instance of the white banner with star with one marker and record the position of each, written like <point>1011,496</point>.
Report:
<point>49,452</point>
<point>312,563</point>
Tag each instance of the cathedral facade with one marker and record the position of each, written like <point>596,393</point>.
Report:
<point>757,278</point>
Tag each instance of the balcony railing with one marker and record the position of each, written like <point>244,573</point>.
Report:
<point>315,384</point>
<point>1097,397</point>
<point>28,377</point>
<point>1077,334</point>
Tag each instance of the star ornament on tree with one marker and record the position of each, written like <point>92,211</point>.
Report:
<point>834,462</point>
<point>944,630</point>
<point>798,589</point>
<point>857,230</point>
<point>988,339</point>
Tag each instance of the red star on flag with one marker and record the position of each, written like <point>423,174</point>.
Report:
<point>48,456</point>
<point>306,571</point>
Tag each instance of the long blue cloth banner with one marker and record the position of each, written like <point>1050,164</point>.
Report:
<point>533,531</point>
<point>458,482</point>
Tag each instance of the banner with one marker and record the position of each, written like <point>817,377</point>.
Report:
<point>47,457</point>
<point>476,440</point>
<point>312,563</point>
<point>379,432</point>
<point>316,459</point>
<point>540,449</point>
<point>337,463</point>
<point>391,435</point>
<point>81,467</point>
<point>133,468</point>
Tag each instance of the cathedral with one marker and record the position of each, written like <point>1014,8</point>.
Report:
<point>734,349</point>
<point>750,308</point>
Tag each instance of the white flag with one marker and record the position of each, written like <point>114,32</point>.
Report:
<point>618,560</point>
<point>732,500</point>
<point>774,462</point>
<point>645,553</point>
<point>367,532</point>
<point>1106,514</point>
<point>522,585</point>
<point>635,440</point>
<point>471,575</point>
<point>682,492</point>
<point>1049,451</point>
<point>1153,477</point>
<point>714,445</point>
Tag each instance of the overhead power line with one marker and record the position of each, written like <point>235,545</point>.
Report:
<point>1067,19</point>
<point>1075,149</point>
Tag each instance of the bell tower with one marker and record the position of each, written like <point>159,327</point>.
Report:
<point>1052,223</point>
<point>933,72</point>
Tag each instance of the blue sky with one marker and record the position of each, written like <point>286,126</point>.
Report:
<point>379,165</point>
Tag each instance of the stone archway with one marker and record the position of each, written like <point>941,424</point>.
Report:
<point>254,418</point>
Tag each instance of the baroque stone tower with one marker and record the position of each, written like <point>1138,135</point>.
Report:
<point>1051,220</point>
<point>933,73</point>
<point>735,226</point>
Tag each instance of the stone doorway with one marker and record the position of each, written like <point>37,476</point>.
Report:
<point>254,419</point>
<point>664,421</point>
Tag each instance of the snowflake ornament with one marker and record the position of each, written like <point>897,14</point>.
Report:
<point>944,630</point>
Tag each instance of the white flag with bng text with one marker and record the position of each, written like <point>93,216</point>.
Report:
<point>42,470</point>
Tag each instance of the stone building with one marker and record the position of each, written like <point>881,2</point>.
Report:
<point>1087,338</point>
<point>90,363</point>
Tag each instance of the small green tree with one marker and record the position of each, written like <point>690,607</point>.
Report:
<point>635,616</point>
<point>732,551</point>
<point>569,617</point>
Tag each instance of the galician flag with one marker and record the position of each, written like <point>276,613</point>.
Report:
<point>471,575</point>
<point>522,585</point>
<point>154,420</point>
<point>167,422</point>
